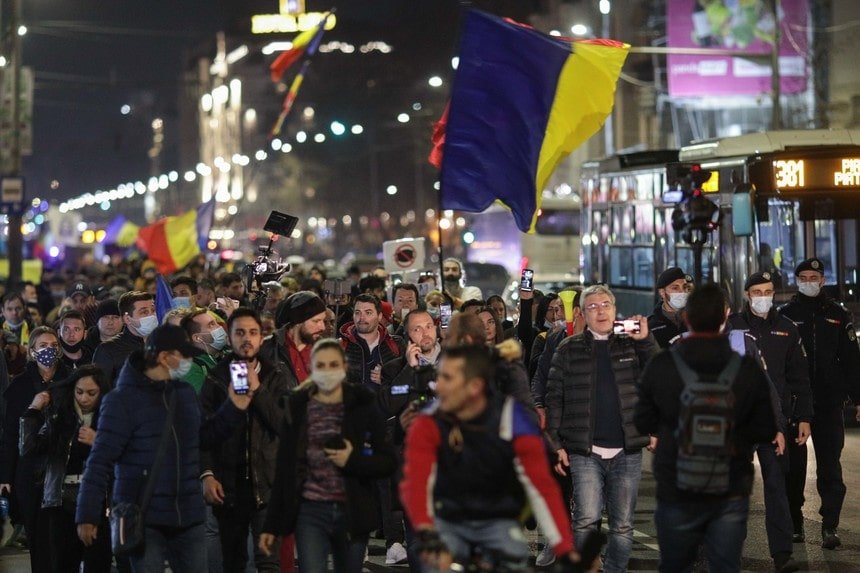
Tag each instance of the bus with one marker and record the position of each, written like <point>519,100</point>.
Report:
<point>552,251</point>
<point>806,203</point>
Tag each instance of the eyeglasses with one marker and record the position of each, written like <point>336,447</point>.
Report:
<point>594,307</point>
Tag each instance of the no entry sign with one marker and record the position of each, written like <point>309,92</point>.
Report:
<point>404,255</point>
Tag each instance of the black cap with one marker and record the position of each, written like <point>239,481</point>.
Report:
<point>812,264</point>
<point>108,307</point>
<point>669,276</point>
<point>169,337</point>
<point>758,279</point>
<point>79,288</point>
<point>298,308</point>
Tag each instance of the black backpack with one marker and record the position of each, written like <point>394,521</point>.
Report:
<point>705,428</point>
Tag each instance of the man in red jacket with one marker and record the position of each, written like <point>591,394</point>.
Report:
<point>473,462</point>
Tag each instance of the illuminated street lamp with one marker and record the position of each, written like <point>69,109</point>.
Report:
<point>435,82</point>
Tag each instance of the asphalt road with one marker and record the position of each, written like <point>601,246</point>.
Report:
<point>646,550</point>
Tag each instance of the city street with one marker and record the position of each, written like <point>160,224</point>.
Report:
<point>645,557</point>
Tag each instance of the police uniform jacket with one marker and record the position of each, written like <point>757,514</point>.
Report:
<point>778,340</point>
<point>665,329</point>
<point>831,347</point>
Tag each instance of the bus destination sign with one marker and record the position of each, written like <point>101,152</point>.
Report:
<point>815,173</point>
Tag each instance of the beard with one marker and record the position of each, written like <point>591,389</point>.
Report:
<point>365,327</point>
<point>452,285</point>
<point>308,337</point>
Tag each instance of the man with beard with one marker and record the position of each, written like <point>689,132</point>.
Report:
<point>398,375</point>
<point>454,280</point>
<point>238,472</point>
<point>72,330</point>
<point>367,343</point>
<point>301,322</point>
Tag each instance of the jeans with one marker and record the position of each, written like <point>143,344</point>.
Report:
<point>496,538</point>
<point>683,525</point>
<point>214,559</point>
<point>777,517</point>
<point>322,529</point>
<point>392,519</point>
<point>612,483</point>
<point>184,548</point>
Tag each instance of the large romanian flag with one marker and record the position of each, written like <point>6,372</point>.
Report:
<point>173,242</point>
<point>520,103</point>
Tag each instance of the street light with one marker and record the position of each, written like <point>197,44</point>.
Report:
<point>125,109</point>
<point>3,61</point>
<point>337,128</point>
<point>22,30</point>
<point>579,30</point>
<point>435,82</point>
<point>357,129</point>
<point>605,7</point>
<point>403,118</point>
<point>391,190</point>
<point>301,136</point>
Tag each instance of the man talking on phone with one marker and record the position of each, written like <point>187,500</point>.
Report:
<point>238,472</point>
<point>590,397</point>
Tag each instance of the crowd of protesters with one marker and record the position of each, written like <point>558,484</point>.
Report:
<point>274,429</point>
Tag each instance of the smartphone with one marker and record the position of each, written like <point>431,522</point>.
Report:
<point>444,315</point>
<point>239,377</point>
<point>626,327</point>
<point>527,280</point>
<point>334,442</point>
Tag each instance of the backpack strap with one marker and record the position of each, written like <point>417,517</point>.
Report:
<point>725,378</point>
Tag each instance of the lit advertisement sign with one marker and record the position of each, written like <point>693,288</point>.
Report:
<point>289,23</point>
<point>807,174</point>
<point>746,26</point>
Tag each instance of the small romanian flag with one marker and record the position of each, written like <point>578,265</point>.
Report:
<point>121,232</point>
<point>173,242</point>
<point>521,102</point>
<point>306,42</point>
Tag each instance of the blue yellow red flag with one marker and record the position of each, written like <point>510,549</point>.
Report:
<point>521,102</point>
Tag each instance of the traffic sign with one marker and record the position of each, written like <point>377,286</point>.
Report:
<point>404,255</point>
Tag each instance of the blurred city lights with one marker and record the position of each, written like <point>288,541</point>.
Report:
<point>605,7</point>
<point>319,138</point>
<point>261,155</point>
<point>416,106</point>
<point>357,129</point>
<point>435,82</point>
<point>3,61</point>
<point>579,29</point>
<point>403,118</point>
<point>455,62</point>
<point>308,113</point>
<point>286,148</point>
<point>555,33</point>
<point>190,176</point>
<point>54,251</point>
<point>445,224</point>
<point>276,144</point>
<point>22,30</point>
<point>337,128</point>
<point>232,209</point>
<point>173,176</point>
<point>125,109</point>
<point>468,237</point>
<point>391,190</point>
<point>347,220</point>
<point>301,136</point>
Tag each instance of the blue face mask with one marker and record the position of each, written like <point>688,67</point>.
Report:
<point>182,369</point>
<point>219,338</point>
<point>181,302</point>
<point>47,357</point>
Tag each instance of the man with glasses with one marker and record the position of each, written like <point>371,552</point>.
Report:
<point>591,395</point>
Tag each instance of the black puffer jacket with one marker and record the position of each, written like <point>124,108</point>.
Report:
<point>570,397</point>
<point>255,441</point>
<point>372,458</point>
<point>111,355</point>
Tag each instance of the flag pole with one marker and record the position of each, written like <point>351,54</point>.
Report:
<point>439,230</point>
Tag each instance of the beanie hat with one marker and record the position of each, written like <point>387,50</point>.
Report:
<point>812,264</point>
<point>108,307</point>
<point>669,276</point>
<point>299,307</point>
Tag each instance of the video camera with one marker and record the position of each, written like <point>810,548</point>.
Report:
<point>695,216</point>
<point>268,267</point>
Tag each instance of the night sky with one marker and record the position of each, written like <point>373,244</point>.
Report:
<point>92,56</point>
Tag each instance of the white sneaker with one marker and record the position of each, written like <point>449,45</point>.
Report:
<point>395,555</point>
<point>545,557</point>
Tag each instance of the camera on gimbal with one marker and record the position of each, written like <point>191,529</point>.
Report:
<point>268,267</point>
<point>695,216</point>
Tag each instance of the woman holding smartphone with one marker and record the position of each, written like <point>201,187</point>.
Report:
<point>332,450</point>
<point>62,427</point>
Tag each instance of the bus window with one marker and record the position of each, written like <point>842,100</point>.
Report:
<point>558,222</point>
<point>620,267</point>
<point>780,247</point>
<point>825,248</point>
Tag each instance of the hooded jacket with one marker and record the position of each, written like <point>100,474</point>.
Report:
<point>132,417</point>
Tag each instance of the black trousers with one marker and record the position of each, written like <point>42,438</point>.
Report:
<point>828,437</point>
<point>777,517</point>
<point>234,520</point>
<point>66,550</point>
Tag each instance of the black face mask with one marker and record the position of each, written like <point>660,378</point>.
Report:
<point>71,348</point>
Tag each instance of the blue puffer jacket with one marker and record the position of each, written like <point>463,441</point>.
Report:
<point>131,420</point>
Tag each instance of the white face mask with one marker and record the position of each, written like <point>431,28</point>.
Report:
<point>328,380</point>
<point>809,289</point>
<point>761,304</point>
<point>678,300</point>
<point>146,325</point>
<point>182,369</point>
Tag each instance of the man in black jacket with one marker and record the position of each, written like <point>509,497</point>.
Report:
<point>138,316</point>
<point>687,519</point>
<point>666,322</point>
<point>366,342</point>
<point>591,393</point>
<point>778,340</point>
<point>834,360</point>
<point>238,473</point>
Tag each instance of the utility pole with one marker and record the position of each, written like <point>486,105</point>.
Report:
<point>16,239</point>
<point>775,81</point>
<point>608,126</point>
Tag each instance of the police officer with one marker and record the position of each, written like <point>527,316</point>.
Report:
<point>834,360</point>
<point>778,340</point>
<point>666,323</point>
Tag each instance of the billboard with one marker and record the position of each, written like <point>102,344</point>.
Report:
<point>746,25</point>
